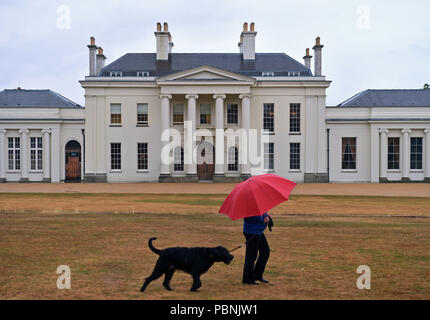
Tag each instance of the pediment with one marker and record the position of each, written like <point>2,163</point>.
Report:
<point>205,73</point>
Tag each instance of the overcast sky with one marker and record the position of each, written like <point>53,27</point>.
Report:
<point>368,44</point>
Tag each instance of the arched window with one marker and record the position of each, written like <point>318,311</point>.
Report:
<point>233,159</point>
<point>179,159</point>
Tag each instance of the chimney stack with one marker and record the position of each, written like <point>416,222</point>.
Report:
<point>92,51</point>
<point>100,62</point>
<point>318,57</point>
<point>240,45</point>
<point>170,44</point>
<point>307,59</point>
<point>162,41</point>
<point>248,42</point>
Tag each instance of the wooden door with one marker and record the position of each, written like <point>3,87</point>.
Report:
<point>206,163</point>
<point>73,168</point>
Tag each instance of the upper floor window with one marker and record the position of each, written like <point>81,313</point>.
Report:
<point>394,153</point>
<point>232,113</point>
<point>143,73</point>
<point>142,113</point>
<point>295,117</point>
<point>349,153</point>
<point>205,113</point>
<point>14,154</point>
<point>268,117</point>
<point>178,114</point>
<point>416,153</point>
<point>36,153</point>
<point>115,113</point>
<point>268,74</point>
<point>116,74</point>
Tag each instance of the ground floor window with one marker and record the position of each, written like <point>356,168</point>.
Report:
<point>14,153</point>
<point>393,153</point>
<point>233,159</point>
<point>269,156</point>
<point>294,156</point>
<point>416,153</point>
<point>142,156</point>
<point>178,163</point>
<point>349,153</point>
<point>115,156</point>
<point>36,153</point>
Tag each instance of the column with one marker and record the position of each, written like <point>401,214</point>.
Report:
<point>55,154</point>
<point>190,140</point>
<point>374,155</point>
<point>46,156</point>
<point>427,155</point>
<point>3,155</point>
<point>219,135</point>
<point>405,155</point>
<point>24,155</point>
<point>165,125</point>
<point>383,154</point>
<point>244,157</point>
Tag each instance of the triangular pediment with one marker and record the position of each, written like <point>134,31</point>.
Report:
<point>205,73</point>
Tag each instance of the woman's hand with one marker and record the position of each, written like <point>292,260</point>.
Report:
<point>266,219</point>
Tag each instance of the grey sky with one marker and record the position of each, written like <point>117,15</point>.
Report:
<point>393,53</point>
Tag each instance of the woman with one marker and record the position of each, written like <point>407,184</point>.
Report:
<point>256,243</point>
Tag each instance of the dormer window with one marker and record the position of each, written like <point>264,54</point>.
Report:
<point>143,73</point>
<point>268,74</point>
<point>294,73</point>
<point>116,74</point>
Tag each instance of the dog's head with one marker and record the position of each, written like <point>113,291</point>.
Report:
<point>220,254</point>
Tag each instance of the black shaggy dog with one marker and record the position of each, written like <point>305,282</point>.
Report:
<point>194,261</point>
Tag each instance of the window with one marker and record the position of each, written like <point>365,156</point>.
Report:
<point>178,163</point>
<point>115,113</point>
<point>268,74</point>
<point>205,113</point>
<point>416,153</point>
<point>269,156</point>
<point>142,156</point>
<point>268,116</point>
<point>294,73</point>
<point>178,114</point>
<point>115,156</point>
<point>295,117</point>
<point>294,156</point>
<point>233,159</point>
<point>142,113</point>
<point>232,117</point>
<point>349,153</point>
<point>36,153</point>
<point>14,154</point>
<point>116,74</point>
<point>393,153</point>
<point>143,73</point>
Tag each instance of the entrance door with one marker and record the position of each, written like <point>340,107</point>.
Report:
<point>205,161</point>
<point>73,161</point>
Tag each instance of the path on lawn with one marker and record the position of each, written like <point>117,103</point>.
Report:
<point>354,189</point>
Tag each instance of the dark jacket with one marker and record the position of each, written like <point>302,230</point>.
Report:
<point>254,225</point>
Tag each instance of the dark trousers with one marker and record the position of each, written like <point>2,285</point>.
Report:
<point>256,244</point>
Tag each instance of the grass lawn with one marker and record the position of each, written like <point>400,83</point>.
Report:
<point>316,246</point>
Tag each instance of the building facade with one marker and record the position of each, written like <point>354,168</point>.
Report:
<point>207,97</point>
<point>41,137</point>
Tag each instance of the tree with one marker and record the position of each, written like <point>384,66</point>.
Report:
<point>426,86</point>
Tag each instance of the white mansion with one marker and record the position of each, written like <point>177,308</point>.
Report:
<point>191,117</point>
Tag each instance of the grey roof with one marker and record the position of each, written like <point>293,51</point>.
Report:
<point>280,63</point>
<point>389,98</point>
<point>35,98</point>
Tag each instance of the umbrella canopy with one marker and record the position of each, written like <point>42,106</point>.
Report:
<point>257,195</point>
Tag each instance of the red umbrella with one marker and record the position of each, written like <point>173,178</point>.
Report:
<point>257,195</point>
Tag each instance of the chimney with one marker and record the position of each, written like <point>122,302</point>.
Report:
<point>307,59</point>
<point>318,57</point>
<point>240,45</point>
<point>170,44</point>
<point>248,42</point>
<point>162,38</point>
<point>92,47</point>
<point>100,61</point>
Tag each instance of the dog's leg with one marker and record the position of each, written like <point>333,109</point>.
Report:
<point>196,282</point>
<point>167,276</point>
<point>159,270</point>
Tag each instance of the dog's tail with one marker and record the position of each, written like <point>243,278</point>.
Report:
<point>155,250</point>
